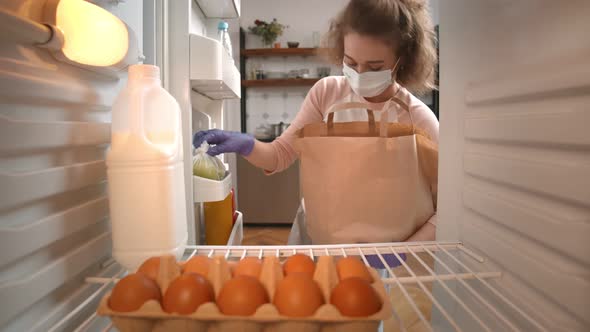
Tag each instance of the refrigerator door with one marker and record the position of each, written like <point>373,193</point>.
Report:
<point>514,148</point>
<point>54,226</point>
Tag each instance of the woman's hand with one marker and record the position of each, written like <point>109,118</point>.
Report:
<point>426,233</point>
<point>225,141</point>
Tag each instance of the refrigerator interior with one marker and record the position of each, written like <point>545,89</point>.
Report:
<point>514,200</point>
<point>514,175</point>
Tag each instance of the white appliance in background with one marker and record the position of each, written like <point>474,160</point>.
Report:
<point>514,170</point>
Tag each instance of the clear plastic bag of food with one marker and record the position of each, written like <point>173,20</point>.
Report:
<point>207,166</point>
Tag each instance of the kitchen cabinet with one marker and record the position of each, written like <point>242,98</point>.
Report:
<point>301,51</point>
<point>267,199</point>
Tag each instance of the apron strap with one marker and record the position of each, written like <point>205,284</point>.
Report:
<point>383,124</point>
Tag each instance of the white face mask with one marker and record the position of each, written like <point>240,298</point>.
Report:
<point>370,83</point>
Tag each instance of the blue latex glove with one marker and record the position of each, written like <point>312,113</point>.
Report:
<point>376,263</point>
<point>224,142</point>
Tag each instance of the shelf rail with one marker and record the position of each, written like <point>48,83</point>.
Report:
<point>450,259</point>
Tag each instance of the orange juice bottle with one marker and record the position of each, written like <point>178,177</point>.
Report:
<point>218,221</point>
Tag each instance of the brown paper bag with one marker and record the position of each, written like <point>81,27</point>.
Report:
<point>366,181</point>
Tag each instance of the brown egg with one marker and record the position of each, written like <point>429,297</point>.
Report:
<point>298,295</point>
<point>186,293</point>
<point>354,297</point>
<point>249,266</point>
<point>241,296</point>
<point>348,267</point>
<point>299,263</point>
<point>131,292</point>
<point>198,264</point>
<point>151,268</point>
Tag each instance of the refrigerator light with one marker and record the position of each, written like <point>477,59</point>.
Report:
<point>89,35</point>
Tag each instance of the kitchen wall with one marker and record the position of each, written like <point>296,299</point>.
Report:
<point>434,10</point>
<point>272,105</point>
<point>303,16</point>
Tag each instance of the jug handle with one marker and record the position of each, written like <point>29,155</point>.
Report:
<point>178,126</point>
<point>136,116</point>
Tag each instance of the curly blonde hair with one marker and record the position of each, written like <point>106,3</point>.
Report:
<point>406,25</point>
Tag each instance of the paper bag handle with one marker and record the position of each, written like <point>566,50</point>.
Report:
<point>350,105</point>
<point>370,112</point>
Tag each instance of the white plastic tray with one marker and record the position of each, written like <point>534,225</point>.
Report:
<point>463,285</point>
<point>205,190</point>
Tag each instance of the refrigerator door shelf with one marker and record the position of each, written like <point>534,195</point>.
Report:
<point>220,8</point>
<point>205,190</point>
<point>212,70</point>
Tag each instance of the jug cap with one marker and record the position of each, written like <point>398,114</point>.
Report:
<point>140,71</point>
<point>222,25</point>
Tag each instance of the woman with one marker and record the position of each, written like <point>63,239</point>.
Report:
<point>385,47</point>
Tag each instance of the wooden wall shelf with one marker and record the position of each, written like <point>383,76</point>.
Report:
<point>281,52</point>
<point>280,82</point>
<point>246,54</point>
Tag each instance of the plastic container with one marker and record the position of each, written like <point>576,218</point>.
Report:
<point>223,36</point>
<point>218,221</point>
<point>208,318</point>
<point>145,171</point>
<point>206,190</point>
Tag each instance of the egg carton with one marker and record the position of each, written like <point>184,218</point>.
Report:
<point>207,318</point>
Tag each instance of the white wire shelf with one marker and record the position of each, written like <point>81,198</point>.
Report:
<point>457,273</point>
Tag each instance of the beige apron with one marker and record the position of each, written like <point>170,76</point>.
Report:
<point>364,181</point>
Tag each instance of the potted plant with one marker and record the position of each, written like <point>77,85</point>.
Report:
<point>269,32</point>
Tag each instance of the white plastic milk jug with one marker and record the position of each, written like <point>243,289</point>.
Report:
<point>145,171</point>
